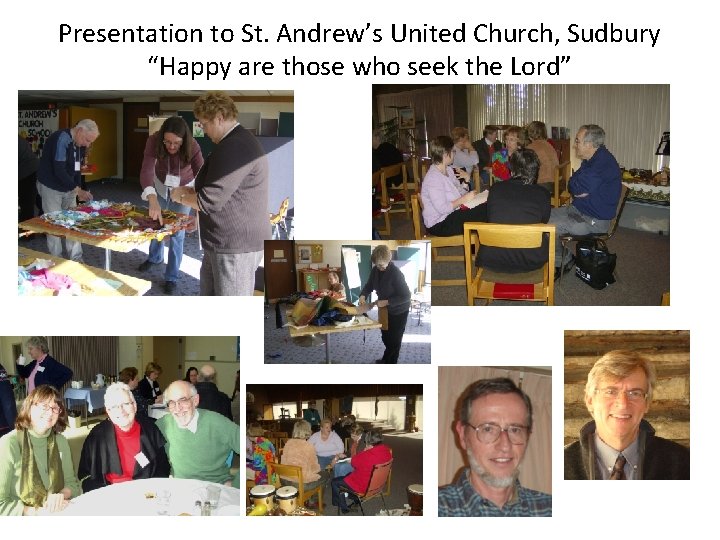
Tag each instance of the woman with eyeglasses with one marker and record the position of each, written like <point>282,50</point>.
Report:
<point>37,476</point>
<point>172,158</point>
<point>123,447</point>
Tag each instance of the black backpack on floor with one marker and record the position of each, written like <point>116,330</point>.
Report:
<point>594,264</point>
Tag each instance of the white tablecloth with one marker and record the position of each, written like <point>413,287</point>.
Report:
<point>157,411</point>
<point>131,499</point>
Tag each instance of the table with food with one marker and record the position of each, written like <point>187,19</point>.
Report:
<point>113,226</point>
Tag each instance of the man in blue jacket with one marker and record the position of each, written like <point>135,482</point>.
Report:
<point>595,188</point>
<point>59,179</point>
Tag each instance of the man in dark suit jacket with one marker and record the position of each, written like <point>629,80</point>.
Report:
<point>210,397</point>
<point>43,369</point>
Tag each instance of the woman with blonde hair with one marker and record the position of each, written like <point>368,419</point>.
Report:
<point>300,452</point>
<point>231,196</point>
<point>148,387</point>
<point>328,445</point>
<point>513,138</point>
<point>37,476</point>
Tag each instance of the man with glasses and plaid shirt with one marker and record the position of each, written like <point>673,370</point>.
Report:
<point>124,447</point>
<point>198,441</point>
<point>618,444</point>
<point>494,428</point>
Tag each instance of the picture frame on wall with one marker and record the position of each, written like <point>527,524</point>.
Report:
<point>407,118</point>
<point>304,253</point>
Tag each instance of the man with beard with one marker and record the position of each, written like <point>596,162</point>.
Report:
<point>198,441</point>
<point>494,429</point>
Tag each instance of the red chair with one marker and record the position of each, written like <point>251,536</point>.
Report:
<point>379,478</point>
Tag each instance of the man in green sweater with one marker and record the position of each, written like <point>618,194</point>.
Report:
<point>198,441</point>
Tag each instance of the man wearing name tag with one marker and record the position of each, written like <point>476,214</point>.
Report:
<point>124,447</point>
<point>43,369</point>
<point>59,181</point>
<point>494,429</point>
<point>618,444</point>
<point>198,441</point>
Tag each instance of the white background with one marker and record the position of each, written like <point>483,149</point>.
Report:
<point>332,132</point>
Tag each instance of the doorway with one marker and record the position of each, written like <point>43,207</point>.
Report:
<point>280,274</point>
<point>135,122</point>
<point>168,351</point>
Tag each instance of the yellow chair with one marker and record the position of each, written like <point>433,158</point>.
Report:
<point>278,220</point>
<point>436,242</point>
<point>488,285</point>
<point>560,182</point>
<point>294,473</point>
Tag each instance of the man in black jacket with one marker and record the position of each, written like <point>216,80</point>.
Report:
<point>619,444</point>
<point>125,447</point>
<point>210,397</point>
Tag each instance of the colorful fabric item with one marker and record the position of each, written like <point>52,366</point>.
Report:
<point>500,165</point>
<point>263,452</point>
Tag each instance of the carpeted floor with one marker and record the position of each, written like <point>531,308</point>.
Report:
<point>360,347</point>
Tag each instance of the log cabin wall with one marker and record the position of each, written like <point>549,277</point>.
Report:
<point>669,350</point>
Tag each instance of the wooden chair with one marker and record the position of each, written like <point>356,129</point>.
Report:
<point>378,485</point>
<point>665,300</point>
<point>420,168</point>
<point>277,221</point>
<point>395,206</point>
<point>484,284</point>
<point>294,473</point>
<point>560,182</point>
<point>602,238</point>
<point>437,242</point>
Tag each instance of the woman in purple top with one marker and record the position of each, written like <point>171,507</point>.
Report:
<point>172,158</point>
<point>442,195</point>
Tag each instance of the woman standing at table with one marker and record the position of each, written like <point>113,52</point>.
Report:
<point>36,469</point>
<point>328,445</point>
<point>148,387</point>
<point>231,195</point>
<point>172,158</point>
<point>393,293</point>
<point>43,369</point>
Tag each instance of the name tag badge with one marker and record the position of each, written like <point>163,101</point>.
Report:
<point>172,180</point>
<point>41,369</point>
<point>77,166</point>
<point>142,460</point>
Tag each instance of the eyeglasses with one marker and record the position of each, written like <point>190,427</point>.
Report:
<point>182,401</point>
<point>489,433</point>
<point>173,144</point>
<point>126,405</point>
<point>44,407</point>
<point>611,394</point>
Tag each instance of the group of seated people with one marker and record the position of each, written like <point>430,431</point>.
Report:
<point>36,464</point>
<point>522,170</point>
<point>321,456</point>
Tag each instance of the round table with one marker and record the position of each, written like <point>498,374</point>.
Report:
<point>152,497</point>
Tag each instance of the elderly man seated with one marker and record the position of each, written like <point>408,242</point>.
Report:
<point>124,447</point>
<point>198,441</point>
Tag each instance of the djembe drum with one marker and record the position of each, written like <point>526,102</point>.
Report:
<point>415,499</point>
<point>286,498</point>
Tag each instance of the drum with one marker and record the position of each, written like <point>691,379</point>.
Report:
<point>286,498</point>
<point>264,494</point>
<point>415,499</point>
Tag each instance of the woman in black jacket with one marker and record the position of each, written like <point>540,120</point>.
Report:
<point>388,282</point>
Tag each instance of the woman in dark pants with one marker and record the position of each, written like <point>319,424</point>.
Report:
<point>388,282</point>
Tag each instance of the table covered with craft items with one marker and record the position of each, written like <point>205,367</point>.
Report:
<point>112,226</point>
<point>40,274</point>
<point>157,496</point>
<point>314,318</point>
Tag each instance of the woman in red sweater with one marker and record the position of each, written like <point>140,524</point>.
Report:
<point>357,481</point>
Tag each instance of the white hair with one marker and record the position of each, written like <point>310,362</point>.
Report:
<point>116,388</point>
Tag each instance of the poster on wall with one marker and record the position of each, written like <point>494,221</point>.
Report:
<point>35,126</point>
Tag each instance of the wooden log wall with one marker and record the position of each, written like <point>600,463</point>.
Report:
<point>669,351</point>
